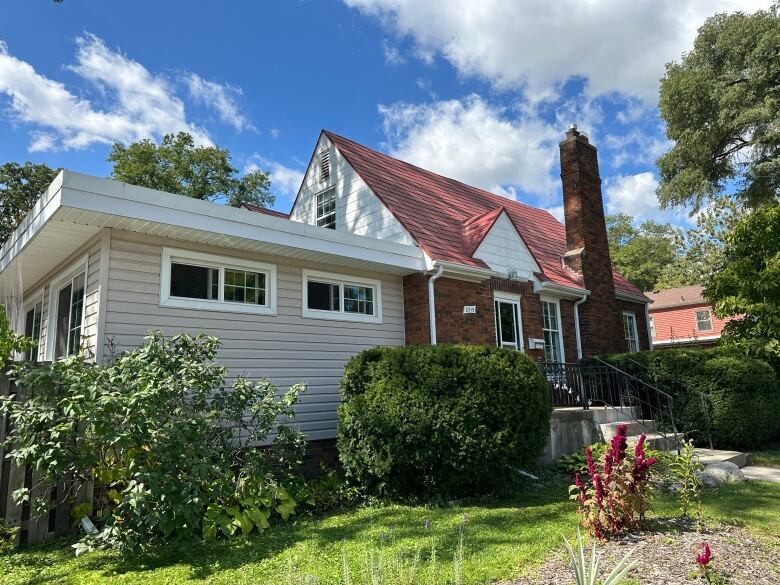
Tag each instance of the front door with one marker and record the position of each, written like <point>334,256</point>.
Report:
<point>509,331</point>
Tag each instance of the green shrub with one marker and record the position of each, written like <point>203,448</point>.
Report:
<point>743,393</point>
<point>446,420</point>
<point>162,434</point>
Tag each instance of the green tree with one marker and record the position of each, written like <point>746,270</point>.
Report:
<point>721,107</point>
<point>20,187</point>
<point>748,283</point>
<point>703,249</point>
<point>177,165</point>
<point>641,253</point>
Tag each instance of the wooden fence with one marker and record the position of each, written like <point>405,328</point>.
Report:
<point>32,529</point>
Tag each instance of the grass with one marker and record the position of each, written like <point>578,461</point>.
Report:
<point>501,540</point>
<point>766,458</point>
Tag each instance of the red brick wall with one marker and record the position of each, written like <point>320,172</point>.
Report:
<point>600,318</point>
<point>452,325</point>
<point>416,321</point>
<point>569,336</point>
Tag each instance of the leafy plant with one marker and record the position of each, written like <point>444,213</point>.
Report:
<point>614,500</point>
<point>577,462</point>
<point>175,451</point>
<point>440,421</point>
<point>684,470</point>
<point>8,537</point>
<point>586,573</point>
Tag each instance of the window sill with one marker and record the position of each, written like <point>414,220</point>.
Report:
<point>339,316</point>
<point>225,307</point>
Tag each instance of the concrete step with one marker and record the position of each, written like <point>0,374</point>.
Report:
<point>707,456</point>
<point>633,427</point>
<point>656,441</point>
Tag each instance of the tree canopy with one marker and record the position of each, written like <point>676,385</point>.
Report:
<point>641,253</point>
<point>20,187</point>
<point>721,106</point>
<point>748,283</point>
<point>177,165</point>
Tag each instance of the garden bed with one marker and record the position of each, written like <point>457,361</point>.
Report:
<point>664,555</point>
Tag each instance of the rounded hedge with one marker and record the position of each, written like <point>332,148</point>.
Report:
<point>743,392</point>
<point>443,421</point>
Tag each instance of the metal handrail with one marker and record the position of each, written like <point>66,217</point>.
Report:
<point>706,401</point>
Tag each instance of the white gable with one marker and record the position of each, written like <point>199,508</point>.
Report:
<point>504,251</point>
<point>358,209</point>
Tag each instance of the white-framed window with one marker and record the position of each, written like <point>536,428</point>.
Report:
<point>32,328</point>
<point>704,320</point>
<point>195,280</point>
<point>336,296</point>
<point>65,322</point>
<point>553,336</point>
<point>509,322</point>
<point>630,331</point>
<point>325,212</point>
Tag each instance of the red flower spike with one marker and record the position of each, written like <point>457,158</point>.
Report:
<point>704,555</point>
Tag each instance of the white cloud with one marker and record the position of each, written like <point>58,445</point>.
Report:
<point>392,55</point>
<point>275,132</point>
<point>134,103</point>
<point>632,194</point>
<point>556,212</point>
<point>636,147</point>
<point>474,142</point>
<point>220,98</point>
<point>537,44</point>
<point>284,180</point>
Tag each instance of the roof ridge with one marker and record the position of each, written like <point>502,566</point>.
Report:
<point>494,196</point>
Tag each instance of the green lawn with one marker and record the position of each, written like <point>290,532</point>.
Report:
<point>501,540</point>
<point>767,458</point>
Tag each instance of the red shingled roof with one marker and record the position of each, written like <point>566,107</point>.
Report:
<point>448,219</point>
<point>265,210</point>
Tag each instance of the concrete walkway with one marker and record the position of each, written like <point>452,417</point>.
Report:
<point>762,473</point>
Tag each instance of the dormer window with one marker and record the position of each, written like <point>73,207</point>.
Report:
<point>325,164</point>
<point>326,209</point>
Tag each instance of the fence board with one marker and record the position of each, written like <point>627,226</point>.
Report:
<point>38,525</point>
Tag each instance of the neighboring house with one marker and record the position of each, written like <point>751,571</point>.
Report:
<point>681,316</point>
<point>375,251</point>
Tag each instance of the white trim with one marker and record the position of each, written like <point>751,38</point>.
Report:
<point>514,299</point>
<point>27,306</point>
<point>686,341</point>
<point>561,290</point>
<point>632,314</point>
<point>56,284</point>
<point>341,280</point>
<point>650,329</point>
<point>105,266</point>
<point>315,207</point>
<point>463,272</point>
<point>577,334</point>
<point>432,302</point>
<point>557,302</point>
<point>170,255</point>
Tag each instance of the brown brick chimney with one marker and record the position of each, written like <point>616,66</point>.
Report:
<point>601,321</point>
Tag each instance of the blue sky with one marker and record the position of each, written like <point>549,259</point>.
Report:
<point>480,91</point>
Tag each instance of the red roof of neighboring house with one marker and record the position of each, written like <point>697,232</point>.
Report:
<point>265,210</point>
<point>677,297</point>
<point>448,219</point>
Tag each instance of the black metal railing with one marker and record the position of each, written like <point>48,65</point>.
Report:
<point>598,383</point>
<point>676,387</point>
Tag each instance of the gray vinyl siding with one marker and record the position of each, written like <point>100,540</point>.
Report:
<point>91,297</point>
<point>286,348</point>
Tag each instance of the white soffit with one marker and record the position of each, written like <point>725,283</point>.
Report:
<point>76,207</point>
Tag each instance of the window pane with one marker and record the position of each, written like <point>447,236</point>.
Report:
<point>32,329</point>
<point>703,321</point>
<point>326,209</point>
<point>322,296</point>
<point>194,282</point>
<point>508,325</point>
<point>63,318</point>
<point>242,286</point>
<point>358,299</point>
<point>76,312</point>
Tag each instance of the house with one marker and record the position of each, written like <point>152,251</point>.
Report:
<point>682,317</point>
<point>374,251</point>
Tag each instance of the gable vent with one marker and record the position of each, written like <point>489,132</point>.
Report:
<point>325,164</point>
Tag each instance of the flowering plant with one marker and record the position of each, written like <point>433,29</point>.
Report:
<point>703,557</point>
<point>612,499</point>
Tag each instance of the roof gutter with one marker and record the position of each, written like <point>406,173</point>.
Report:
<point>432,301</point>
<point>577,325</point>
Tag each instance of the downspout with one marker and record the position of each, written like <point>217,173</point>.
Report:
<point>432,302</point>
<point>647,325</point>
<point>577,325</point>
